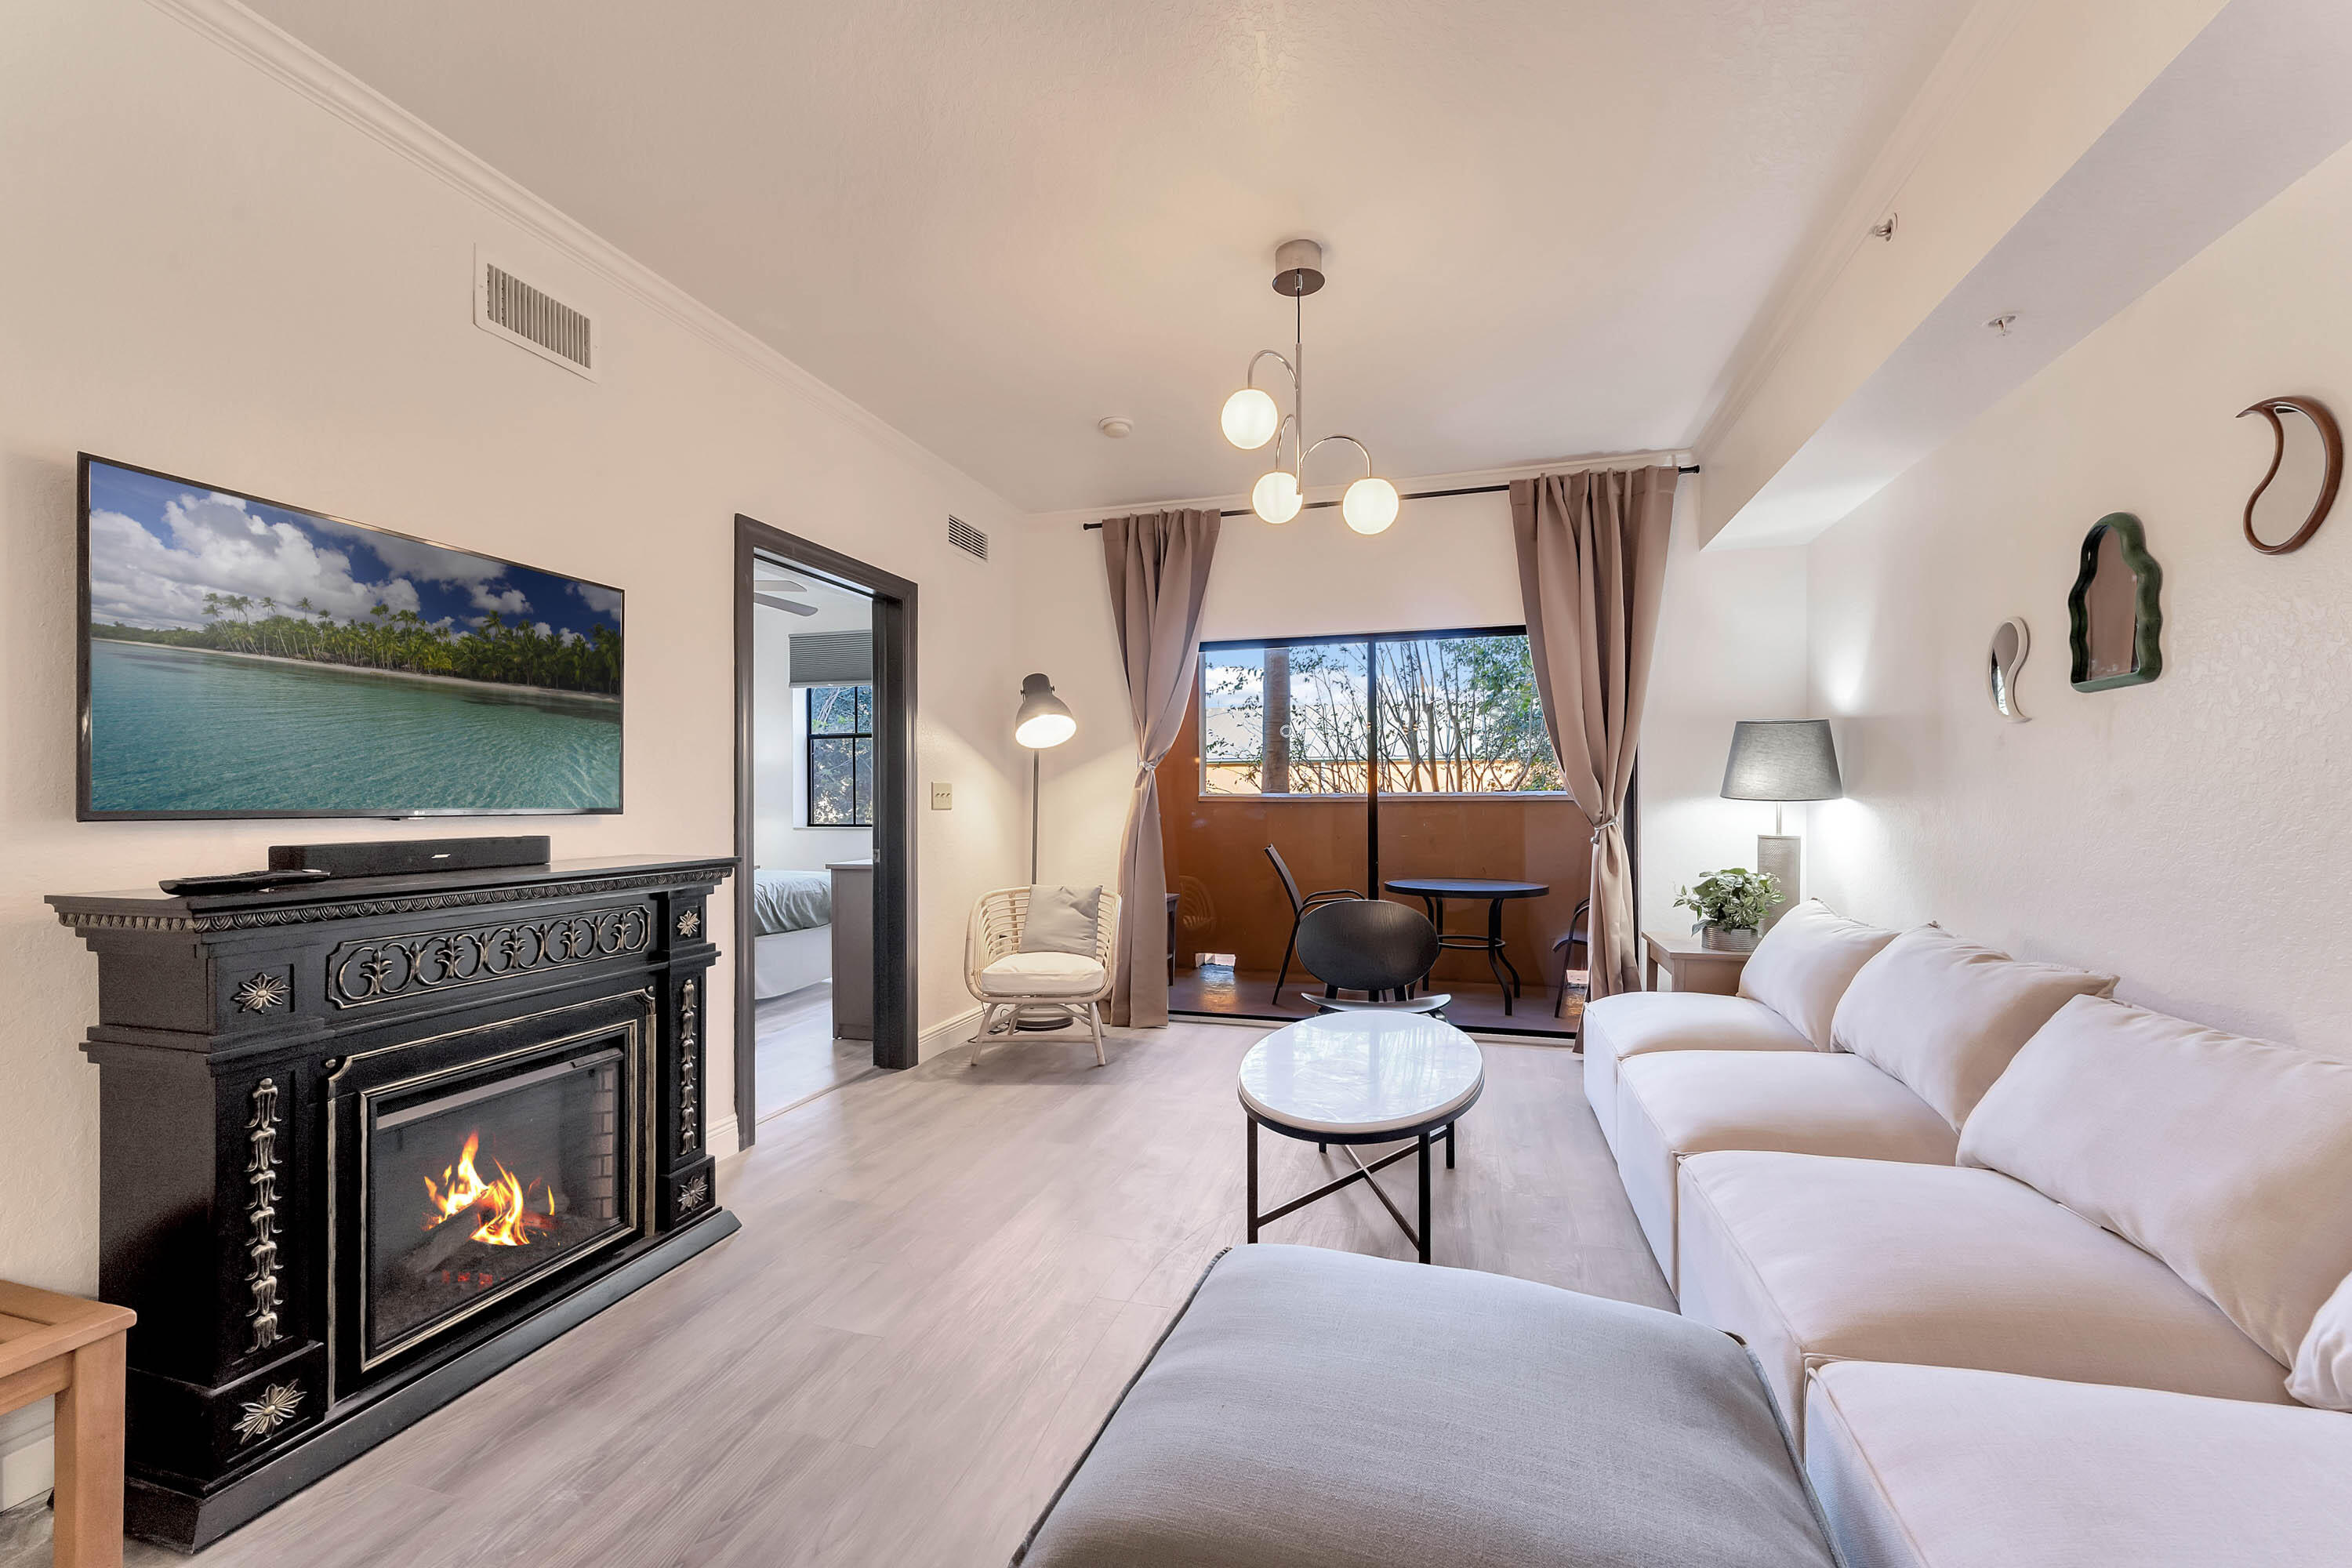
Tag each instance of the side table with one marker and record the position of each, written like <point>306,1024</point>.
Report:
<point>1691,966</point>
<point>62,1347</point>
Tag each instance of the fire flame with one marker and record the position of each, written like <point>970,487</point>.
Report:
<point>505,1218</point>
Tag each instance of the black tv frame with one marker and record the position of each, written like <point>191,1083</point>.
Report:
<point>83,811</point>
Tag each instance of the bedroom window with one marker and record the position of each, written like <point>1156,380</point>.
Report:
<point>840,756</point>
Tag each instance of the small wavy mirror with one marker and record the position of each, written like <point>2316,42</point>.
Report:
<point>2114,615</point>
<point>2003,660</point>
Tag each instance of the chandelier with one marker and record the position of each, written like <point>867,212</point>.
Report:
<point>1251,417</point>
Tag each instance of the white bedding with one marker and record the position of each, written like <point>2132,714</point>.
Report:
<point>787,960</point>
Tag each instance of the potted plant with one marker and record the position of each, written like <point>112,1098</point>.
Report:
<point>1731,905</point>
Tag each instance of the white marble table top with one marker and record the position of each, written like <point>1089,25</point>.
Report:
<point>1361,1072</point>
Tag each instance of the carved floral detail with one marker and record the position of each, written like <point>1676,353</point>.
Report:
<point>261,1214</point>
<point>695,1193</point>
<point>690,1065</point>
<point>377,969</point>
<point>689,923</point>
<point>261,993</point>
<point>264,1415</point>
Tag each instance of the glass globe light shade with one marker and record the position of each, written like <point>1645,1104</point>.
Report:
<point>1369,505</point>
<point>1274,497</point>
<point>1250,420</point>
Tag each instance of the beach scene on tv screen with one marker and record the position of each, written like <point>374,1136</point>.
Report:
<point>250,657</point>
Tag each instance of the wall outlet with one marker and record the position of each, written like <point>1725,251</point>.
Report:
<point>943,797</point>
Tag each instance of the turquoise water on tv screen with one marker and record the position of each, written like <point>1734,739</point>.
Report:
<point>175,729</point>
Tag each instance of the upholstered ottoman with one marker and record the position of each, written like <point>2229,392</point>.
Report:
<point>1318,1409</point>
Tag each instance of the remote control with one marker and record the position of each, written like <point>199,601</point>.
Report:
<point>239,882</point>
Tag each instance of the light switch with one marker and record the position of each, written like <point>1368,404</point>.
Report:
<point>943,797</point>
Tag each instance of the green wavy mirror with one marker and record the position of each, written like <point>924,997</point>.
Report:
<point>2114,614</point>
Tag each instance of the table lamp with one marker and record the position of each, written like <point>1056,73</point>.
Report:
<point>1781,760</point>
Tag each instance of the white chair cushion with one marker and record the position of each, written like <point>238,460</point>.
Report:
<point>1805,963</point>
<point>1946,1016</point>
<point>1671,1104</point>
<point>1042,975</point>
<point>2323,1366</point>
<point>1811,1259</point>
<point>1926,1465</point>
<point>2230,1159</point>
<point>1633,1022</point>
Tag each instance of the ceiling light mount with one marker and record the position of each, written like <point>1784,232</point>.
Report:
<point>1251,417</point>
<point>1116,427</point>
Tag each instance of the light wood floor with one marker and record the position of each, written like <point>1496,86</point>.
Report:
<point>798,1056</point>
<point>943,1280</point>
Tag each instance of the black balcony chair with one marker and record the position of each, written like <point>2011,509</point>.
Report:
<point>1580,934</point>
<point>1298,907</point>
<point>1371,945</point>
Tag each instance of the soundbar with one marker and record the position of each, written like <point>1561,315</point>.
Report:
<point>406,856</point>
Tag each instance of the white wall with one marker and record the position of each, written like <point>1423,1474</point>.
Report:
<point>2186,834</point>
<point>212,274</point>
<point>781,837</point>
<point>1731,645</point>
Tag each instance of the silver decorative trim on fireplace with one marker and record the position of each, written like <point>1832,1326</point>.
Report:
<point>276,1406</point>
<point>690,1069</point>
<point>382,968</point>
<point>261,1214</point>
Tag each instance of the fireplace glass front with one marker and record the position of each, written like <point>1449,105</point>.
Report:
<point>475,1188</point>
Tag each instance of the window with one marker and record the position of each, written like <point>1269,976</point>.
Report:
<point>840,756</point>
<point>1457,712</point>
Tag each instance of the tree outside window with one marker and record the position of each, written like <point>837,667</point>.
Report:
<point>1457,715</point>
<point>840,756</point>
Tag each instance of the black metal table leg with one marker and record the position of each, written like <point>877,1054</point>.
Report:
<point>1495,960</point>
<point>1424,1236</point>
<point>1253,1178</point>
<point>1449,1145</point>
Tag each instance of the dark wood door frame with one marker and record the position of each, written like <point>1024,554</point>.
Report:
<point>894,799</point>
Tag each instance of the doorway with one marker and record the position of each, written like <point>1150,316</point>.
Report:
<point>824,821</point>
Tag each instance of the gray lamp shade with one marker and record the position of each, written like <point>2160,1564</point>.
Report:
<point>1782,759</point>
<point>1045,719</point>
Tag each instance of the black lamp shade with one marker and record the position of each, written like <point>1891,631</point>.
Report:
<point>1782,759</point>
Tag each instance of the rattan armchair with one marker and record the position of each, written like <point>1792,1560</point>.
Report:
<point>1008,982</point>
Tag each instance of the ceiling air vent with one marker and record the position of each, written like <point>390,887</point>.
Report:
<point>965,537</point>
<point>506,305</point>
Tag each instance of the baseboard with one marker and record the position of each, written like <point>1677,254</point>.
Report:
<point>946,1035</point>
<point>28,1464</point>
<point>723,1138</point>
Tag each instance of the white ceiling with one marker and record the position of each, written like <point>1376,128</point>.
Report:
<point>993,222</point>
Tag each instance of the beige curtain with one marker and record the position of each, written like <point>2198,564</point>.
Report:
<point>1159,568</point>
<point>1592,564</point>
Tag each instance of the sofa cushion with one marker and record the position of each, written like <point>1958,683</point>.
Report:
<point>2322,1375</point>
<point>1320,1409</point>
<point>1042,975</point>
<point>2231,1159</point>
<point>1812,1259</point>
<point>1674,1103</point>
<point>1632,1023</point>
<point>1923,1465</point>
<point>1805,963</point>
<point>1946,1016</point>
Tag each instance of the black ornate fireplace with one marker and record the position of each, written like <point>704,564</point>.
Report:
<point>367,1142</point>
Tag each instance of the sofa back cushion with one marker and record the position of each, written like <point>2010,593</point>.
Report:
<point>1945,1017</point>
<point>2323,1367</point>
<point>2228,1158</point>
<point>1805,963</point>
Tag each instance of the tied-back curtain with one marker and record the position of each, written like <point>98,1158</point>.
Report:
<point>1592,566</point>
<point>1159,568</point>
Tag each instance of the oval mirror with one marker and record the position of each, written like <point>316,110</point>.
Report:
<point>2306,465</point>
<point>2006,657</point>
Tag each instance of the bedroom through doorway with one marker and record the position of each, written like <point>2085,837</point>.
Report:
<point>812,871</point>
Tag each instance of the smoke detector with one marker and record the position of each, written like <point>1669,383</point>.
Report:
<point>1115,427</point>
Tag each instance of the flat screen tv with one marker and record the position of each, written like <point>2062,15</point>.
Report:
<point>241,657</point>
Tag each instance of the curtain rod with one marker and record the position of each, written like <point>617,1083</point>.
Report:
<point>1416,495</point>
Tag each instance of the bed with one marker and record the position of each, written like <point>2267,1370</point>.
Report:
<point>791,912</point>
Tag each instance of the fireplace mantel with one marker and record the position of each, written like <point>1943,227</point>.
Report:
<point>245,1043</point>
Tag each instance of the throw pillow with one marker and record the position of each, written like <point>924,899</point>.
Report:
<point>2323,1367</point>
<point>1060,919</point>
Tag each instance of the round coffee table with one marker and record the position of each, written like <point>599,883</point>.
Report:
<point>1361,1078</point>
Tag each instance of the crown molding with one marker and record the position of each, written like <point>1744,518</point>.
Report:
<point>1800,295</point>
<point>280,55</point>
<point>1463,479</point>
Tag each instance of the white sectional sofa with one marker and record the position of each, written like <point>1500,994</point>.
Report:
<point>2036,1276</point>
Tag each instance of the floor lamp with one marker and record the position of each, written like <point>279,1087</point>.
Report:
<point>1043,723</point>
<point>1781,760</point>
